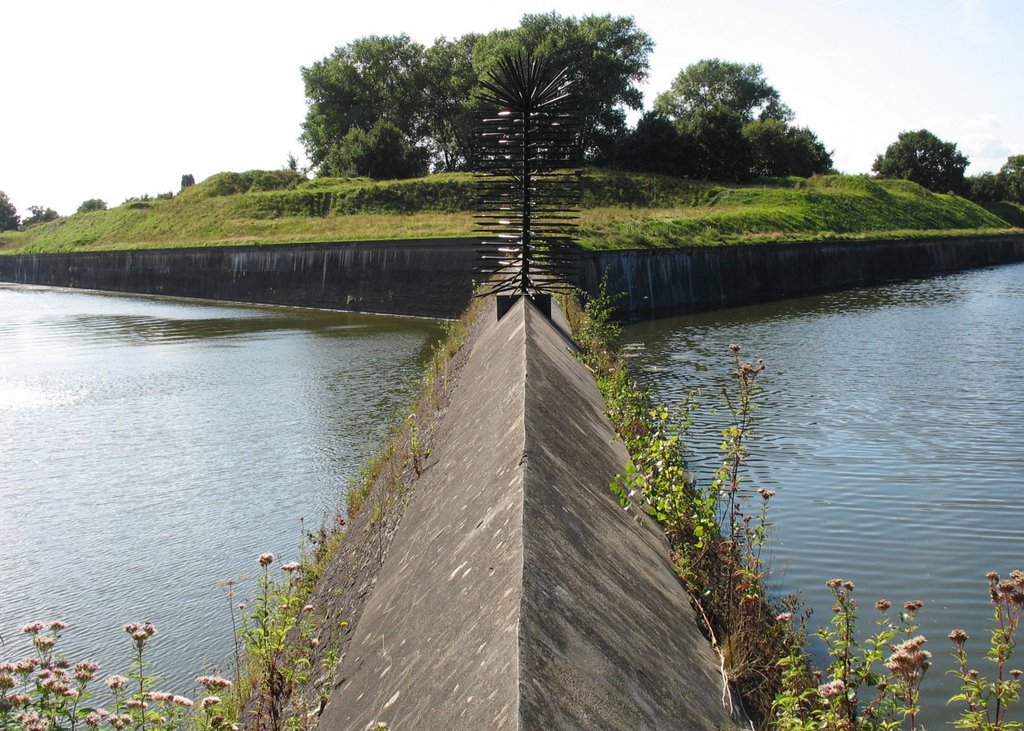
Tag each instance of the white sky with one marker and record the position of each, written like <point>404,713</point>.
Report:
<point>110,99</point>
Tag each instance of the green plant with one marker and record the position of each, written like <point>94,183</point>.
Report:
<point>279,663</point>
<point>988,701</point>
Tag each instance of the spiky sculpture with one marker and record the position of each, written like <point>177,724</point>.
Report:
<point>527,202</point>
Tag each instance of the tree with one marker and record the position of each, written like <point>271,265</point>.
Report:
<point>429,94</point>
<point>711,83</point>
<point>737,125</point>
<point>381,153</point>
<point>93,204</point>
<point>656,146</point>
<point>1011,178</point>
<point>607,56</point>
<point>9,218</point>
<point>721,150</point>
<point>187,181</point>
<point>778,149</point>
<point>372,79</point>
<point>925,159</point>
<point>40,215</point>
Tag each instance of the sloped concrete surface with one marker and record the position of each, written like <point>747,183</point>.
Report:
<point>517,594</point>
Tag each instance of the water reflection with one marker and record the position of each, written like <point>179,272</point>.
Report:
<point>891,429</point>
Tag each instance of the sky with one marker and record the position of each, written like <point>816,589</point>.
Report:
<point>112,99</point>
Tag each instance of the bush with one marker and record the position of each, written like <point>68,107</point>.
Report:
<point>93,204</point>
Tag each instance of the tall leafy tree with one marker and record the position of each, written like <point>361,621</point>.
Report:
<point>712,83</point>
<point>9,218</point>
<point>922,157</point>
<point>608,57</point>
<point>377,78</point>
<point>429,93</point>
<point>779,149</point>
<point>1011,178</point>
<point>737,123</point>
<point>449,79</point>
<point>382,153</point>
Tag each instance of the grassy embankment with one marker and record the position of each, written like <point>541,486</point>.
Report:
<point>620,210</point>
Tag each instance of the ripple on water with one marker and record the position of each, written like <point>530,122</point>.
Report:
<point>153,448</point>
<point>890,429</point>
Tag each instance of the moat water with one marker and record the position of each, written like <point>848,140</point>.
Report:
<point>153,448</point>
<point>891,428</point>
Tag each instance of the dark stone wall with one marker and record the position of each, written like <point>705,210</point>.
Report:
<point>433,277</point>
<point>660,281</point>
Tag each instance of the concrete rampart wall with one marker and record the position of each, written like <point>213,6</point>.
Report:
<point>433,278</point>
<point>430,277</point>
<point>699,278</point>
<point>517,594</point>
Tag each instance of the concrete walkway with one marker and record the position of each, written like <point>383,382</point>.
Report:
<point>517,594</point>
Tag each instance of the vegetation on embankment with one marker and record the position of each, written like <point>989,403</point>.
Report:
<point>618,210</point>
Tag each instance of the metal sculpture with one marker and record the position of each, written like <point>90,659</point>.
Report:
<point>528,199</point>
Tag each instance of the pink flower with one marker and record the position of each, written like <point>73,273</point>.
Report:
<point>784,617</point>
<point>85,671</point>
<point>182,701</point>
<point>32,628</point>
<point>211,682</point>
<point>57,626</point>
<point>831,690</point>
<point>116,682</point>
<point>210,700</point>
<point>266,559</point>
<point>291,566</point>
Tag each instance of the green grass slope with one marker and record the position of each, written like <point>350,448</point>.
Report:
<point>618,210</point>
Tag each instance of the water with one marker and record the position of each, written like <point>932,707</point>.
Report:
<point>151,448</point>
<point>892,430</point>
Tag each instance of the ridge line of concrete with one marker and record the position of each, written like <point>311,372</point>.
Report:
<point>610,638</point>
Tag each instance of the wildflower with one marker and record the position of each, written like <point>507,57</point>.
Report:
<point>116,682</point>
<point>291,566</point>
<point>57,626</point>
<point>30,721</point>
<point>32,628</point>
<point>266,559</point>
<point>93,719</point>
<point>26,665</point>
<point>137,704</point>
<point>834,583</point>
<point>848,585</point>
<point>765,494</point>
<point>7,682</point>
<point>832,689</point>
<point>908,661</point>
<point>308,608</point>
<point>210,700</point>
<point>992,576</point>
<point>913,606</point>
<point>882,605</point>
<point>182,701</point>
<point>159,697</point>
<point>19,699</point>
<point>44,643</point>
<point>734,347</point>
<point>85,671</point>
<point>1016,674</point>
<point>784,617</point>
<point>959,637</point>
<point>211,682</point>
